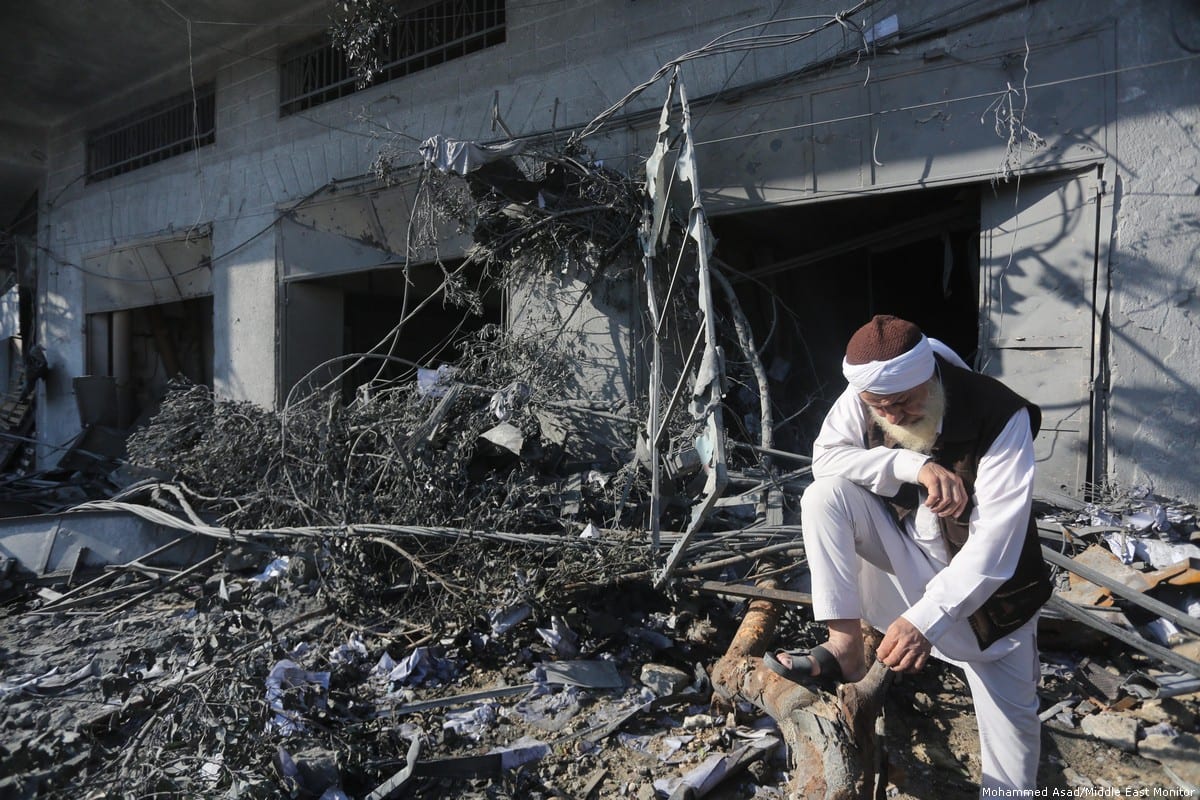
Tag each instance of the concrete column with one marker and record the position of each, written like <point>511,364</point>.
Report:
<point>244,309</point>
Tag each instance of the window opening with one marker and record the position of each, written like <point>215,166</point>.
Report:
<point>155,133</point>
<point>315,72</point>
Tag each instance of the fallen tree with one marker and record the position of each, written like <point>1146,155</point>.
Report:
<point>833,749</point>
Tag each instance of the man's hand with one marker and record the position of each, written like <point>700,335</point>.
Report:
<point>904,648</point>
<point>947,495</point>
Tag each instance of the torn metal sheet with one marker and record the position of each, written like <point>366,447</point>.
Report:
<point>56,543</point>
<point>656,177</point>
<point>151,272</point>
<point>709,387</point>
<point>287,684</point>
<point>1138,598</point>
<point>505,436</point>
<point>464,767</point>
<point>456,700</point>
<point>392,786</point>
<point>1148,687</point>
<point>652,236</point>
<point>525,750</point>
<point>588,674</point>
<point>704,778</point>
<point>1149,648</point>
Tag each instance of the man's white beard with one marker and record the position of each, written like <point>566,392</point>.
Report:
<point>921,435</point>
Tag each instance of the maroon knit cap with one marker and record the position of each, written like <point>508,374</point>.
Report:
<point>882,339</point>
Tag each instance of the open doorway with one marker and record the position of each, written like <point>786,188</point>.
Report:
<point>331,317</point>
<point>809,275</point>
<point>134,353</point>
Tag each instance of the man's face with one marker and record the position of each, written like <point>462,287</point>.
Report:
<point>903,408</point>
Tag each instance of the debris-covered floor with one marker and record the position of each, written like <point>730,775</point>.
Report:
<point>247,680</point>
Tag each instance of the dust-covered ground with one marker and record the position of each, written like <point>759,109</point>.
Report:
<point>173,697</point>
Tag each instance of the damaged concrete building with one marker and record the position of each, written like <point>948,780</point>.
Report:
<point>189,189</point>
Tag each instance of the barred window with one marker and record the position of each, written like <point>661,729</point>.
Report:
<point>315,72</point>
<point>169,128</point>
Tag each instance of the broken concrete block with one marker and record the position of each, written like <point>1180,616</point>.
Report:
<point>663,680</point>
<point>1117,730</point>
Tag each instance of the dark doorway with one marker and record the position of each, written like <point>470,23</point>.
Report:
<point>134,353</point>
<point>809,275</point>
<point>358,313</point>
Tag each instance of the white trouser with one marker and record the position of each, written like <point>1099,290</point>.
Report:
<point>864,567</point>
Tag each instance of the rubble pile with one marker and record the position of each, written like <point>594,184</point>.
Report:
<point>247,679</point>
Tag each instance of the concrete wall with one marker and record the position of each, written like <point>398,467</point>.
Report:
<point>1154,416</point>
<point>909,116</point>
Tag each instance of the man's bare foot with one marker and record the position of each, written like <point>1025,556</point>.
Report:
<point>850,659</point>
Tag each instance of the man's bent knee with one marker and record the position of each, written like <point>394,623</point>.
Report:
<point>830,492</point>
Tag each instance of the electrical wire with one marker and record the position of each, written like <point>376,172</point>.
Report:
<point>946,101</point>
<point>718,47</point>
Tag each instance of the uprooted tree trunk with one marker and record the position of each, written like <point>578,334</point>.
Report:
<point>832,747</point>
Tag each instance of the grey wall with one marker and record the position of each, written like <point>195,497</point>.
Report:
<point>1154,417</point>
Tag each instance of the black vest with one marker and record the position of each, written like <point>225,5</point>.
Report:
<point>977,409</point>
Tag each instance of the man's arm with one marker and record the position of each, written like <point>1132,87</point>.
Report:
<point>839,452</point>
<point>1003,498</point>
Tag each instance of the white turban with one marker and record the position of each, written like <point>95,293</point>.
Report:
<point>906,371</point>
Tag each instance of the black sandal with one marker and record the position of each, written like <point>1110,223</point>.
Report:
<point>802,662</point>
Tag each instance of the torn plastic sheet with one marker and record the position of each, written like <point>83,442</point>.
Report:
<point>420,666</point>
<point>560,637</point>
<point>289,685</point>
<point>509,399</point>
<point>506,436</point>
<point>463,157</point>
<point>1148,518</point>
<point>662,748</point>
<point>589,532</point>
<point>548,710</point>
<point>1156,553</point>
<point>434,382</point>
<point>273,570</point>
<point>505,619</point>
<point>470,723</point>
<point>523,751</point>
<point>352,652</point>
<point>714,769</point>
<point>1147,687</point>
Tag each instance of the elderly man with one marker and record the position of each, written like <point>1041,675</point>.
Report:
<point>919,523</point>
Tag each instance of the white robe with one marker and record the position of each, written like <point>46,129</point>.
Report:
<point>865,567</point>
